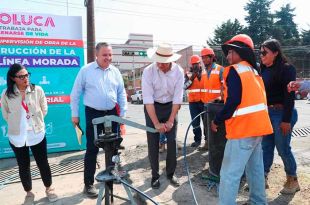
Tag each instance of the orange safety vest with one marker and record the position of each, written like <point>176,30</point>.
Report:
<point>251,116</point>
<point>196,91</point>
<point>213,84</point>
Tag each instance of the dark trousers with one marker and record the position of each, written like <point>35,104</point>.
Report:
<point>39,152</point>
<point>90,158</point>
<point>195,109</point>
<point>163,112</point>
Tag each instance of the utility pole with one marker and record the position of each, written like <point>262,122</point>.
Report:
<point>89,4</point>
<point>134,72</point>
<point>67,7</point>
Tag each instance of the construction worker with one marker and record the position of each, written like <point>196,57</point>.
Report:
<point>246,119</point>
<point>213,81</point>
<point>194,84</point>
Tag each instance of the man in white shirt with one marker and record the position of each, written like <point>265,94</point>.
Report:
<point>162,89</point>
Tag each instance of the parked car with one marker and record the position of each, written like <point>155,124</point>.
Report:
<point>137,97</point>
<point>301,94</point>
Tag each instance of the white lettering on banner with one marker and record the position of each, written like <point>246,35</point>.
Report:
<point>52,61</point>
<point>59,52</point>
<point>250,109</point>
<point>20,51</point>
<point>72,52</point>
<point>28,41</point>
<point>54,100</point>
<point>9,61</point>
<point>55,51</point>
<point>51,42</point>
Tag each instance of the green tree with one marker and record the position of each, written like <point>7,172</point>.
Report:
<point>305,37</point>
<point>285,29</point>
<point>225,32</point>
<point>259,19</point>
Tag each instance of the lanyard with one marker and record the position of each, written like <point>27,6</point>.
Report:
<point>25,106</point>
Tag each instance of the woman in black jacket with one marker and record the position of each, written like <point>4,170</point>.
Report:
<point>277,73</point>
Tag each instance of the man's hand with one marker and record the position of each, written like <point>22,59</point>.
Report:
<point>213,126</point>
<point>161,127</point>
<point>285,128</point>
<point>75,120</point>
<point>293,86</point>
<point>169,126</point>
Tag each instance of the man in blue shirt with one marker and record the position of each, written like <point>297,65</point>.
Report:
<point>102,87</point>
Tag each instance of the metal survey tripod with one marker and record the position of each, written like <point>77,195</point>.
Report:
<point>110,142</point>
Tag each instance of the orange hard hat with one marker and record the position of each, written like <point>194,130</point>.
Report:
<point>195,59</point>
<point>238,41</point>
<point>206,52</point>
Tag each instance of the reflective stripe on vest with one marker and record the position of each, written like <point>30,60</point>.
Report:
<point>214,91</point>
<point>242,69</point>
<point>216,72</point>
<point>250,109</point>
<point>204,90</point>
<point>194,90</point>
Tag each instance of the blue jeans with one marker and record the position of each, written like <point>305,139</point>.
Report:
<point>195,109</point>
<point>242,154</point>
<point>282,143</point>
<point>162,138</point>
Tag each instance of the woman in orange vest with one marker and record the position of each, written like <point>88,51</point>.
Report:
<point>194,84</point>
<point>245,106</point>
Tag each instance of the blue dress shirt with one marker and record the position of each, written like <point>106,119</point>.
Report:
<point>101,89</point>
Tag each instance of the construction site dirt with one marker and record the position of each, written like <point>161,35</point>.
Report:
<point>69,184</point>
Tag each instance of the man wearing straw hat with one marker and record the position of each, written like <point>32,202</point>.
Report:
<point>162,89</point>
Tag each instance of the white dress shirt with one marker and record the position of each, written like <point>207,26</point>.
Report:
<point>161,87</point>
<point>27,136</point>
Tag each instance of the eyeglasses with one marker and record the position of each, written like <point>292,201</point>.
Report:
<point>22,77</point>
<point>263,53</point>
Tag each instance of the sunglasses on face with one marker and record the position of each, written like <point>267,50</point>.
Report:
<point>22,77</point>
<point>263,53</point>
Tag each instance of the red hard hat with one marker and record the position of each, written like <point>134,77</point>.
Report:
<point>207,51</point>
<point>195,59</point>
<point>233,42</point>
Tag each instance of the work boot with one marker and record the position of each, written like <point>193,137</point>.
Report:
<point>205,147</point>
<point>174,181</point>
<point>90,191</point>
<point>162,148</point>
<point>29,199</point>
<point>291,185</point>
<point>195,144</point>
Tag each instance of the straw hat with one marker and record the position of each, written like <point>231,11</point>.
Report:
<point>163,53</point>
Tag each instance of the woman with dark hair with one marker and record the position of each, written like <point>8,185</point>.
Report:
<point>277,73</point>
<point>24,106</point>
<point>245,105</point>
